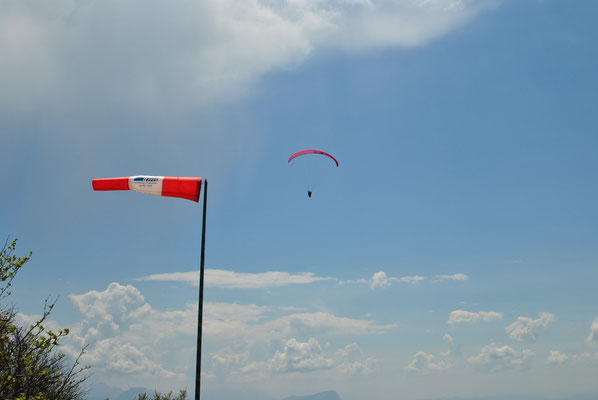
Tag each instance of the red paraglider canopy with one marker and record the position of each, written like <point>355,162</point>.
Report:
<point>312,151</point>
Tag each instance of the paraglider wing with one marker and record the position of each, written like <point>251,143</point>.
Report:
<point>312,151</point>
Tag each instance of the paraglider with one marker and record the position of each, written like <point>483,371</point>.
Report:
<point>312,152</point>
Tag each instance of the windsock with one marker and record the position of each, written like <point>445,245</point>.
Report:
<point>185,188</point>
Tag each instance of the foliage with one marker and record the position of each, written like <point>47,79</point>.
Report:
<point>30,365</point>
<point>159,396</point>
<point>9,266</point>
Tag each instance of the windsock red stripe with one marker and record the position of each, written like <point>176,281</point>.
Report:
<point>111,184</point>
<point>186,188</point>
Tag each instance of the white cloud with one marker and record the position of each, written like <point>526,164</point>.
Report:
<point>348,350</point>
<point>128,339</point>
<point>556,357</point>
<point>364,368</point>
<point>454,277</point>
<point>593,336</point>
<point>380,280</point>
<point>559,358</point>
<point>525,327</point>
<point>184,52</point>
<point>326,322</point>
<point>229,358</point>
<point>238,280</point>
<point>124,359</point>
<point>154,346</point>
<point>453,349</point>
<point>412,279</point>
<point>300,357</point>
<point>425,363</point>
<point>462,316</point>
<point>495,358</point>
<point>351,363</point>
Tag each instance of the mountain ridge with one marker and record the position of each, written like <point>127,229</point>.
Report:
<point>327,395</point>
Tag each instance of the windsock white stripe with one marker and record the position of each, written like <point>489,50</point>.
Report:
<point>146,184</point>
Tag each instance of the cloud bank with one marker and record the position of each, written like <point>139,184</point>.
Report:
<point>454,277</point>
<point>129,340</point>
<point>380,279</point>
<point>151,54</point>
<point>525,327</point>
<point>592,338</point>
<point>425,363</point>
<point>238,280</point>
<point>300,357</point>
<point>559,358</point>
<point>462,316</point>
<point>494,358</point>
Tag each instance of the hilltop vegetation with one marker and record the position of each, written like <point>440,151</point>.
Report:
<point>31,367</point>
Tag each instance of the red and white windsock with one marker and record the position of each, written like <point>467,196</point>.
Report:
<point>185,188</point>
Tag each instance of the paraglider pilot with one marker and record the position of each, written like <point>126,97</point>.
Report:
<point>312,151</point>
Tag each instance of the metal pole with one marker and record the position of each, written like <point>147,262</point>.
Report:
<point>200,305</point>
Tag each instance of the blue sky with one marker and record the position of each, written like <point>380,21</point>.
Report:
<point>452,253</point>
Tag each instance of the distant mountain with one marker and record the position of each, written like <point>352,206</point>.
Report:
<point>329,395</point>
<point>132,393</point>
<point>101,391</point>
<point>590,396</point>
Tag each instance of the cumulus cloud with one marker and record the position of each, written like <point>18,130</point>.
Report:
<point>462,316</point>
<point>238,280</point>
<point>454,277</point>
<point>425,363</point>
<point>328,323</point>
<point>198,50</point>
<point>412,279</point>
<point>559,358</point>
<point>230,358</point>
<point>525,327</point>
<point>452,349</point>
<point>364,368</point>
<point>495,358</point>
<point>348,350</point>
<point>127,337</point>
<point>556,357</point>
<point>154,346</point>
<point>350,362</point>
<point>592,338</point>
<point>380,280</point>
<point>300,357</point>
<point>110,309</point>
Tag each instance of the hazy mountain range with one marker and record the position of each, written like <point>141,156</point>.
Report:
<point>101,391</point>
<point>589,396</point>
<point>329,395</point>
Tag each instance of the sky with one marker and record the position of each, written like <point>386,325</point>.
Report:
<point>453,252</point>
